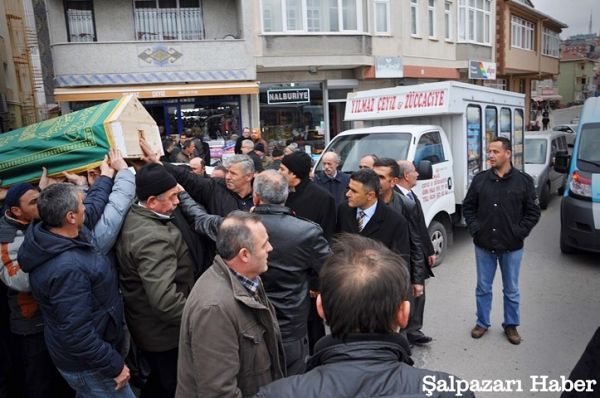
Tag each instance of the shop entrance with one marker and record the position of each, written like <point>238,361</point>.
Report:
<point>210,117</point>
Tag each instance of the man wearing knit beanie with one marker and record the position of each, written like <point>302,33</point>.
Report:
<point>157,275</point>
<point>309,200</point>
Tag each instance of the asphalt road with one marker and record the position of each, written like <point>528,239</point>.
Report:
<point>560,311</point>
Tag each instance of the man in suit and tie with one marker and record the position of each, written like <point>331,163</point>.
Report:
<point>368,216</point>
<point>406,181</point>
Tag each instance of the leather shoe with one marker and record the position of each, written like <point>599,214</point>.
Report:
<point>419,339</point>
<point>478,331</point>
<point>512,335</point>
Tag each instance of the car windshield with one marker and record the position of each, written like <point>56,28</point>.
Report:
<point>535,150</point>
<point>588,158</point>
<point>351,148</point>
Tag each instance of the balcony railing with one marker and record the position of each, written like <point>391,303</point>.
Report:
<point>169,24</point>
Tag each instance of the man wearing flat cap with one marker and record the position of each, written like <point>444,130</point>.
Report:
<point>156,275</point>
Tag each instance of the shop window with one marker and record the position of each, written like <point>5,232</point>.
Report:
<point>474,138</point>
<point>293,114</point>
<point>80,20</point>
<point>168,20</point>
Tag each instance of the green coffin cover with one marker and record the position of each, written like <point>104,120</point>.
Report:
<point>73,142</point>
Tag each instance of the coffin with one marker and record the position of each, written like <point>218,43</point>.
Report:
<point>77,141</point>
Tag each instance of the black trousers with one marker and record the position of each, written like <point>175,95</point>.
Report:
<point>296,352</point>
<point>162,381</point>
<point>316,327</point>
<point>417,308</point>
<point>39,378</point>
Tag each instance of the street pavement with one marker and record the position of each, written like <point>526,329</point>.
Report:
<point>560,311</point>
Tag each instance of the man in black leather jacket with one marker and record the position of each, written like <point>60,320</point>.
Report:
<point>364,295</point>
<point>299,251</point>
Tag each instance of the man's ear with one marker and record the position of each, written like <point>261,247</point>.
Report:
<point>255,199</point>
<point>403,314</point>
<point>320,309</point>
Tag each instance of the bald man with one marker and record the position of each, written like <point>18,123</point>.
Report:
<point>197,166</point>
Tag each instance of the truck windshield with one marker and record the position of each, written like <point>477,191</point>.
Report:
<point>351,148</point>
<point>588,158</point>
<point>535,151</point>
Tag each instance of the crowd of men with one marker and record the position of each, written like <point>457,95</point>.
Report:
<point>181,284</point>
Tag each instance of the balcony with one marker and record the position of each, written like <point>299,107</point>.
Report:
<point>298,50</point>
<point>147,62</point>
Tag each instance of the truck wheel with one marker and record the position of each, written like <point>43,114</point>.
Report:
<point>565,248</point>
<point>544,196</point>
<point>439,240</point>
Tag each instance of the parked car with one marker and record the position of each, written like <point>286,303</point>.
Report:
<point>570,129</point>
<point>540,151</point>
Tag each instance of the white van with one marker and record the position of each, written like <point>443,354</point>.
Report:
<point>443,128</point>
<point>580,205</point>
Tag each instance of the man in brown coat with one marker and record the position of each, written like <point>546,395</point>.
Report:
<point>230,344</point>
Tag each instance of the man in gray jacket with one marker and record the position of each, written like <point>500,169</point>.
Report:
<point>230,343</point>
<point>156,275</point>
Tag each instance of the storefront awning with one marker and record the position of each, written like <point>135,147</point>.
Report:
<point>553,97</point>
<point>155,91</point>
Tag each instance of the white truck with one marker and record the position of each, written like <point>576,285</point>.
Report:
<point>443,128</point>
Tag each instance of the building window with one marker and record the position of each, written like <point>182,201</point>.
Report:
<point>382,17</point>
<point>474,21</point>
<point>168,20</point>
<point>448,20</point>
<point>551,43</point>
<point>80,20</point>
<point>323,16</point>
<point>431,17</point>
<point>414,17</point>
<point>522,33</point>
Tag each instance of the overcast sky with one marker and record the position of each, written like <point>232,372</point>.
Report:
<point>575,13</point>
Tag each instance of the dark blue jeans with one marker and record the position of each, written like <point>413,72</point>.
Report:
<point>510,264</point>
<point>91,384</point>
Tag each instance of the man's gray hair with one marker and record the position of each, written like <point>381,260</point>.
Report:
<point>336,156</point>
<point>234,234</point>
<point>404,166</point>
<point>271,187</point>
<point>56,201</point>
<point>244,160</point>
<point>248,144</point>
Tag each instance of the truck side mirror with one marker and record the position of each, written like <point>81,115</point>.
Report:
<point>561,162</point>
<point>425,170</point>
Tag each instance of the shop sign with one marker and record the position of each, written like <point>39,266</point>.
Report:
<point>482,70</point>
<point>389,67</point>
<point>396,104</point>
<point>288,96</point>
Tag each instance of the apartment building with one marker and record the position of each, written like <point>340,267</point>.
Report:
<point>528,47</point>
<point>321,50</point>
<point>190,62</point>
<point>22,99</point>
<point>578,78</point>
